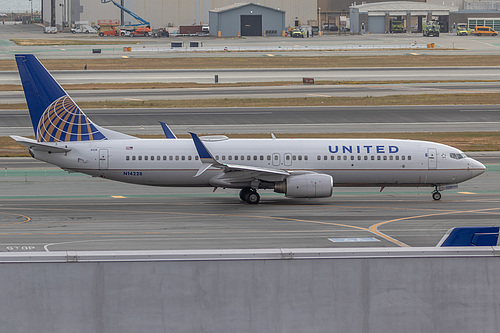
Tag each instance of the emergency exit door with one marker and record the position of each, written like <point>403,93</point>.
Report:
<point>103,159</point>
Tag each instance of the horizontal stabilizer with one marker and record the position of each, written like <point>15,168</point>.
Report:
<point>30,143</point>
<point>470,236</point>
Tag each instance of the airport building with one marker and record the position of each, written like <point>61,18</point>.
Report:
<point>166,13</point>
<point>247,19</point>
<point>397,16</point>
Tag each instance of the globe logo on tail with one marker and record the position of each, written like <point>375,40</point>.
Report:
<point>64,121</point>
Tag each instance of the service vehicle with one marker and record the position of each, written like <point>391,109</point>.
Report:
<point>431,29</point>
<point>298,33</point>
<point>144,31</point>
<point>486,31</point>
<point>463,30</point>
<point>109,31</point>
<point>83,29</point>
<point>50,30</point>
<point>397,26</point>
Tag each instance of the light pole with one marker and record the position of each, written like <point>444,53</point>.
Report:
<point>319,18</point>
<point>31,4</point>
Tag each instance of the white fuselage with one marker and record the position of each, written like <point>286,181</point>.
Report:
<point>351,162</point>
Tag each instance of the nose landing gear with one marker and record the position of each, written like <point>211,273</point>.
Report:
<point>249,195</point>
<point>436,195</point>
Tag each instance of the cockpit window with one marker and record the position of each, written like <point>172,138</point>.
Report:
<point>457,156</point>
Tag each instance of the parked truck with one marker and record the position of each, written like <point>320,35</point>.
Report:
<point>431,29</point>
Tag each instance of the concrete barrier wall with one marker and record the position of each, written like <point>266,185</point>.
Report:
<point>314,290</point>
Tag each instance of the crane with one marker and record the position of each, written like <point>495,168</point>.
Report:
<point>131,13</point>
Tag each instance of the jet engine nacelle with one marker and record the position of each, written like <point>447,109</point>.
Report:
<point>314,185</point>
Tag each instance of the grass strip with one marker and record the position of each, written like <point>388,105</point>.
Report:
<point>425,99</point>
<point>313,61</point>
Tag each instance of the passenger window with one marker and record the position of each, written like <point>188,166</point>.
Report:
<point>391,157</point>
<point>230,157</point>
<point>249,157</point>
<point>236,157</point>
<point>397,157</point>
<point>223,157</point>
<point>189,157</point>
<point>300,157</point>
<point>332,157</point>
<point>359,158</point>
<point>275,157</point>
<point>339,157</point>
<point>385,158</point>
<point>345,158</point>
<point>325,157</point>
<point>164,157</point>
<point>378,157</point>
<point>158,157</point>
<point>287,157</point>
<point>176,157</point>
<point>183,157</point>
<point>140,158</point>
<point>216,157</point>
<point>373,158</point>
<point>352,158</point>
<point>366,158</point>
<point>409,158</point>
<point>152,158</point>
<point>196,158</point>
<point>306,157</point>
<point>261,157</point>
<point>268,157</point>
<point>133,158</point>
<point>146,158</point>
<point>255,157</point>
<point>403,158</point>
<point>294,157</point>
<point>127,158</point>
<point>318,157</point>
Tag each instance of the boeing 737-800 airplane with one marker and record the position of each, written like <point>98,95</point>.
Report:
<point>299,168</point>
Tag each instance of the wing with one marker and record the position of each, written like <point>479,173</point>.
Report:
<point>235,173</point>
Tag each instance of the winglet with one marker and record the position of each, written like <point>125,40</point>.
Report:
<point>168,132</point>
<point>205,155</point>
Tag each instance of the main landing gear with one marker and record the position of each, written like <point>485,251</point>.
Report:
<point>436,195</point>
<point>249,195</point>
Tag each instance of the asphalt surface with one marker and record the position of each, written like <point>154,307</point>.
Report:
<point>266,75</point>
<point>368,44</point>
<point>45,209</point>
<point>342,119</point>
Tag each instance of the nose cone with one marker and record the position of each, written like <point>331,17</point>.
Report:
<point>476,167</point>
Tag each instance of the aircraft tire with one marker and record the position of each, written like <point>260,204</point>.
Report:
<point>252,198</point>
<point>244,192</point>
<point>436,195</point>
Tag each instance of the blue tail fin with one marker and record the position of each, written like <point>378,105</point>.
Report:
<point>54,115</point>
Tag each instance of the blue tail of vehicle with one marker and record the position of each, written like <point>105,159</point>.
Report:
<point>54,115</point>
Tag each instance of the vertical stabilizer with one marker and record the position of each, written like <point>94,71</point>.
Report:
<point>54,115</point>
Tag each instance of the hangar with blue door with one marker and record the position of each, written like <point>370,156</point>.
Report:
<point>247,19</point>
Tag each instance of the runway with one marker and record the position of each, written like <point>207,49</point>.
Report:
<point>328,119</point>
<point>267,75</point>
<point>46,209</point>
